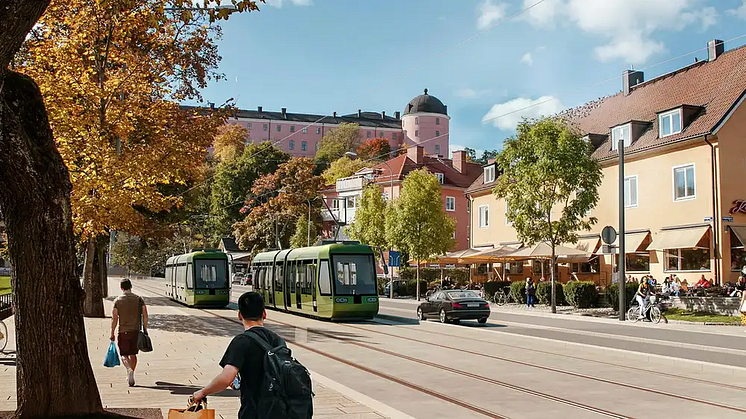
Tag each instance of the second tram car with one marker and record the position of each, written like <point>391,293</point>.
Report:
<point>199,279</point>
<point>335,281</point>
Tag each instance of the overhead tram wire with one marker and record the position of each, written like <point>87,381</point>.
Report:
<point>427,61</point>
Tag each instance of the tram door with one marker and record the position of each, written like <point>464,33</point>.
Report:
<point>300,274</point>
<point>289,285</point>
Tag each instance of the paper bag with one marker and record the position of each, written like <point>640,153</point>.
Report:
<point>191,413</point>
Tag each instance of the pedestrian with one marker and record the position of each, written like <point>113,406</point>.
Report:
<point>742,309</point>
<point>530,294</point>
<point>245,358</point>
<point>128,310</point>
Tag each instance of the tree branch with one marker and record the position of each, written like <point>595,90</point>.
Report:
<point>17,18</point>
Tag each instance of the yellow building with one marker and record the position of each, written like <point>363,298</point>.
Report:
<point>685,174</point>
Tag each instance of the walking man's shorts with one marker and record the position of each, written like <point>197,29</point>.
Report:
<point>127,343</point>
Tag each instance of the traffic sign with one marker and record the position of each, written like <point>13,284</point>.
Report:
<point>608,234</point>
<point>394,258</point>
<point>708,219</point>
<point>728,219</point>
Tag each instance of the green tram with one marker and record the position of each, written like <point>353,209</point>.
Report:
<point>199,279</point>
<point>334,281</point>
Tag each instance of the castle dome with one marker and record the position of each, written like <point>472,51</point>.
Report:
<point>425,103</point>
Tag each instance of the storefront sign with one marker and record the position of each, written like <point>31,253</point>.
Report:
<point>739,205</point>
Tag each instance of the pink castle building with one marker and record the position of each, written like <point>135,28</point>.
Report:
<point>424,123</point>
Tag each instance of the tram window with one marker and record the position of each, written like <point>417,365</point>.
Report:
<point>347,273</point>
<point>310,278</point>
<point>211,274</point>
<point>325,287</point>
<point>293,276</point>
<point>302,279</point>
<point>278,278</point>
<point>355,275</point>
<point>189,276</point>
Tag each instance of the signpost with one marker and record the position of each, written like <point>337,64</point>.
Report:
<point>394,258</point>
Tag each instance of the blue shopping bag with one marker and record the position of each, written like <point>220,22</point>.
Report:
<point>112,357</point>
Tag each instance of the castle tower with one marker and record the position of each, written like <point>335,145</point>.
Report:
<point>425,123</point>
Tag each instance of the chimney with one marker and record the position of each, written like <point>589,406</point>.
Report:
<point>383,114</point>
<point>359,113</point>
<point>259,108</point>
<point>335,114</point>
<point>715,48</point>
<point>459,160</point>
<point>416,154</point>
<point>212,105</point>
<point>397,115</point>
<point>490,161</point>
<point>285,112</point>
<point>630,79</point>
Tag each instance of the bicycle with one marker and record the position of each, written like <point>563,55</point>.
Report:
<point>6,310</point>
<point>652,311</point>
<point>502,297</point>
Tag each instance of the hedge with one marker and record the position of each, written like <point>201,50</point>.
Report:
<point>458,276</point>
<point>491,287</point>
<point>612,293</point>
<point>544,293</point>
<point>518,291</point>
<point>581,294</point>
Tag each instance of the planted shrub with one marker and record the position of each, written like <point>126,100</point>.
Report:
<point>581,294</point>
<point>491,287</point>
<point>612,293</point>
<point>412,287</point>
<point>544,293</point>
<point>518,291</point>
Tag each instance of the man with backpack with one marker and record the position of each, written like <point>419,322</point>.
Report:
<point>273,384</point>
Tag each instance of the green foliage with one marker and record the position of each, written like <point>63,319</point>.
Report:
<point>4,285</point>
<point>612,293</point>
<point>581,294</point>
<point>491,287</point>
<point>518,291</point>
<point>369,226</point>
<point>300,237</point>
<point>544,293</point>
<point>412,287</point>
<point>458,277</point>
<point>417,222</point>
<point>337,142</point>
<point>148,256</point>
<point>342,167</point>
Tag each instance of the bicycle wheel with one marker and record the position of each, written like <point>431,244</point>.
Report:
<point>655,315</point>
<point>3,336</point>
<point>633,314</point>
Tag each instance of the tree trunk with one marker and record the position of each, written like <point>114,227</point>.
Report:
<point>94,298</point>
<point>99,265</point>
<point>554,279</point>
<point>418,280</point>
<point>54,375</point>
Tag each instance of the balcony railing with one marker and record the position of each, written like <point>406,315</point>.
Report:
<point>351,183</point>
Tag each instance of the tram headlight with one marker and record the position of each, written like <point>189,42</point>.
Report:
<point>372,299</point>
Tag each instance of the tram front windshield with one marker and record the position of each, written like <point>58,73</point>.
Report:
<point>211,273</point>
<point>354,275</point>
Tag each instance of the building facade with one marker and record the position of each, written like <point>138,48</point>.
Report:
<point>684,136</point>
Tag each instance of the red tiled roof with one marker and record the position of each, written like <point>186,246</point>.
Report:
<point>713,85</point>
<point>403,165</point>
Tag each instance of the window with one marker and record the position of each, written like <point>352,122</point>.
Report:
<point>537,267</point>
<point>248,126</point>
<point>305,130</point>
<point>691,259</point>
<point>385,196</point>
<point>367,134</point>
<point>630,191</point>
<point>325,286</point>
<point>590,267</point>
<point>618,133</point>
<point>303,146</point>
<point>278,278</point>
<point>450,203</point>
<point>484,216</point>
<point>279,128</point>
<point>437,149</point>
<point>381,135</point>
<point>355,275</point>
<point>441,177</point>
<point>264,127</point>
<point>291,145</point>
<point>189,275</point>
<point>489,174</point>
<point>335,203</point>
<point>669,123</point>
<point>318,130</point>
<point>317,146</point>
<point>437,133</point>
<point>416,133</point>
<point>683,182</point>
<point>737,253</point>
<point>437,121</point>
<point>638,262</point>
<point>416,120</point>
<point>453,235</point>
<point>292,128</point>
<point>507,222</point>
<point>514,268</point>
<point>211,274</point>
<point>393,136</point>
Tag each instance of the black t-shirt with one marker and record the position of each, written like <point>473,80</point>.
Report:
<point>246,355</point>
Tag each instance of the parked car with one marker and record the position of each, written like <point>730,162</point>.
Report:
<point>245,279</point>
<point>454,306</point>
<point>237,277</point>
<point>400,288</point>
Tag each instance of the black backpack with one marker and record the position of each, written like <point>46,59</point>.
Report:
<point>286,391</point>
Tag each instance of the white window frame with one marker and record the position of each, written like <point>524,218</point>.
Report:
<point>385,196</point>
<point>484,222</point>
<point>305,130</point>
<point>615,141</point>
<point>452,201</point>
<point>318,130</point>
<point>673,181</point>
<point>417,120</point>
<point>441,177</point>
<point>489,174</point>
<point>416,133</point>
<point>670,115</point>
<point>637,192</point>
<point>507,222</point>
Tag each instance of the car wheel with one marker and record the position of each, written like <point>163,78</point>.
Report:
<point>420,314</point>
<point>483,320</point>
<point>443,317</point>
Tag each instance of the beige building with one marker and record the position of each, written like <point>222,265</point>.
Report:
<point>685,175</point>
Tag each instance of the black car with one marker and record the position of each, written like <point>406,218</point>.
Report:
<point>454,305</point>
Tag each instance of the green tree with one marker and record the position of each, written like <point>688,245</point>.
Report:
<point>337,142</point>
<point>550,182</point>
<point>305,233</point>
<point>342,167</point>
<point>487,155</point>
<point>418,223</point>
<point>471,154</point>
<point>369,226</point>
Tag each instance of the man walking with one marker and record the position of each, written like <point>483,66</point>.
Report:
<point>245,356</point>
<point>128,308</point>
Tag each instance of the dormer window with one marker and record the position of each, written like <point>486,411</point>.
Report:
<point>489,174</point>
<point>621,132</point>
<point>441,177</point>
<point>669,123</point>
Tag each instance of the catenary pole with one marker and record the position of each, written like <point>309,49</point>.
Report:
<point>622,259</point>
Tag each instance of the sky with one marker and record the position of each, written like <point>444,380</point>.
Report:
<point>491,62</point>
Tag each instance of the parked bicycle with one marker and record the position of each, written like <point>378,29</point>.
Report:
<point>502,297</point>
<point>6,310</point>
<point>653,310</point>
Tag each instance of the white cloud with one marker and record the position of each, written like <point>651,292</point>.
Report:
<point>527,58</point>
<point>279,3</point>
<point>468,93</point>
<point>740,12</point>
<point>489,13</point>
<point>627,25</point>
<point>506,116</point>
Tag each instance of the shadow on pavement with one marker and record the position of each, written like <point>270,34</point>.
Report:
<point>188,390</point>
<point>311,335</point>
<point>181,323</point>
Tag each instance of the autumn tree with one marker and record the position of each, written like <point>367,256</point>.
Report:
<point>342,167</point>
<point>337,142</point>
<point>550,182</point>
<point>369,226</point>
<point>418,223</point>
<point>278,201</point>
<point>230,142</point>
<point>377,149</point>
<point>112,74</point>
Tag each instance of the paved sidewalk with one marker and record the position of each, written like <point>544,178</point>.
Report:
<point>187,348</point>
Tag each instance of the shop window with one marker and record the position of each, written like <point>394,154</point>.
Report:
<point>638,262</point>
<point>514,268</point>
<point>737,253</point>
<point>537,267</point>
<point>593,266</point>
<point>692,259</point>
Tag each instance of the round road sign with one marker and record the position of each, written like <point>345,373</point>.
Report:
<point>608,234</point>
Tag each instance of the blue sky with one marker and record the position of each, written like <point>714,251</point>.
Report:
<point>321,56</point>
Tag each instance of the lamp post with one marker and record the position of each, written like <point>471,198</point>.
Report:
<point>622,258</point>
